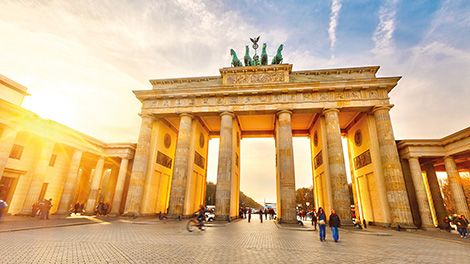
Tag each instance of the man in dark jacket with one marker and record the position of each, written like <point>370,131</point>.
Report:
<point>462,225</point>
<point>334,223</point>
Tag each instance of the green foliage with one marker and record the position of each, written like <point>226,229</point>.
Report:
<point>248,201</point>
<point>303,195</point>
<point>244,200</point>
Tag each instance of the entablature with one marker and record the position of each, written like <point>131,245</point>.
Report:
<point>270,74</point>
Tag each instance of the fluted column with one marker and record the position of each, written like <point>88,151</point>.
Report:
<point>7,141</point>
<point>95,185</point>
<point>181,169</point>
<point>38,177</point>
<point>393,175</point>
<point>117,199</point>
<point>336,166</point>
<point>286,172</point>
<point>224,168</point>
<point>420,190</point>
<point>70,182</point>
<point>139,168</point>
<point>435,189</point>
<point>456,187</point>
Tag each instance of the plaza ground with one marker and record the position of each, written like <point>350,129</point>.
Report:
<point>122,240</point>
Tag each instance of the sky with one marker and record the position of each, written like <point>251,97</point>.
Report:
<point>81,60</point>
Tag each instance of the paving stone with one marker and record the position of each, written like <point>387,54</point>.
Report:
<point>239,242</point>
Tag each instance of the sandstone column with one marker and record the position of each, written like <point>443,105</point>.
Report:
<point>393,175</point>
<point>119,186</point>
<point>7,140</point>
<point>224,168</point>
<point>436,194</point>
<point>70,182</point>
<point>456,187</point>
<point>38,177</point>
<point>95,186</point>
<point>139,168</point>
<point>181,169</point>
<point>286,171</point>
<point>420,190</point>
<point>337,168</point>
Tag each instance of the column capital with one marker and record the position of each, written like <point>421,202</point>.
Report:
<point>227,113</point>
<point>186,114</point>
<point>381,107</point>
<point>327,110</point>
<point>284,111</point>
<point>448,157</point>
<point>413,157</point>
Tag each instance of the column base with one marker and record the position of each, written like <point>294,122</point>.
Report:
<point>179,217</point>
<point>403,226</point>
<point>430,228</point>
<point>131,214</point>
<point>287,221</point>
<point>62,213</point>
<point>226,218</point>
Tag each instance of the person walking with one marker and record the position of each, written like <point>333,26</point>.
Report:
<point>261,215</point>
<point>334,223</point>
<point>249,215</point>
<point>322,223</point>
<point>265,213</point>
<point>314,220</point>
<point>48,208</point>
<point>35,209</point>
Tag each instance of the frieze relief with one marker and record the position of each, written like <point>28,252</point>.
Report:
<point>261,77</point>
<point>245,99</point>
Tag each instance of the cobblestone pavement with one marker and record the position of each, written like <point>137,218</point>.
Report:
<point>124,241</point>
<point>15,223</point>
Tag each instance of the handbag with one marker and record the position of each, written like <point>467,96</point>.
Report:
<point>321,222</point>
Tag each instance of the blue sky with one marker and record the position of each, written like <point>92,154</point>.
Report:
<point>82,59</point>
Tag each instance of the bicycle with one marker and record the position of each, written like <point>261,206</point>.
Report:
<point>193,223</point>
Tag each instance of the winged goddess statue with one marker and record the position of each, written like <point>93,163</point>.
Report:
<point>255,42</point>
<point>255,46</point>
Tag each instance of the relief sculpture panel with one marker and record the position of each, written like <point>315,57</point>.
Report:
<point>257,77</point>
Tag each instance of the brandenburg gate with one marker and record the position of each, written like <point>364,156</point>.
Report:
<point>180,115</point>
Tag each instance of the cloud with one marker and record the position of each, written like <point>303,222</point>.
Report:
<point>384,31</point>
<point>334,15</point>
<point>89,56</point>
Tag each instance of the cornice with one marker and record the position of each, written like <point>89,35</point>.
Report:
<point>381,83</point>
<point>369,69</point>
<point>13,85</point>
<point>183,80</point>
<point>254,69</point>
<point>459,135</point>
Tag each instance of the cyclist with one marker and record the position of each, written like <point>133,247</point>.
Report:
<point>201,215</point>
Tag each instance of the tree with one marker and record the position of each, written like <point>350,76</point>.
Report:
<point>244,200</point>
<point>304,195</point>
<point>447,192</point>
